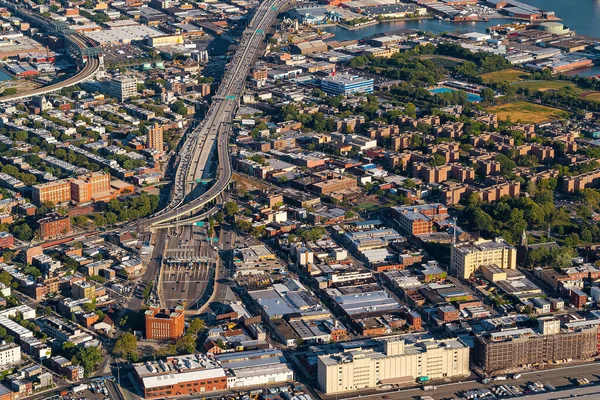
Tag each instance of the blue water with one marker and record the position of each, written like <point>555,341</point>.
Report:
<point>4,76</point>
<point>473,98</point>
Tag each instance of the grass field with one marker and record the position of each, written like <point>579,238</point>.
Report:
<point>508,75</point>
<point>591,96</point>
<point>444,61</point>
<point>543,86</point>
<point>528,113</point>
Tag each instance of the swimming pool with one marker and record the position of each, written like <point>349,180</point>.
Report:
<point>473,98</point>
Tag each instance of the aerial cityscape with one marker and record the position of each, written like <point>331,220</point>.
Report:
<point>299,199</point>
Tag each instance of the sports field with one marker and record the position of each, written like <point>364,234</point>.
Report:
<point>528,113</point>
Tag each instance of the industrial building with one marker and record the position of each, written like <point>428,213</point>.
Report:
<point>391,360</point>
<point>255,368</point>
<point>179,376</point>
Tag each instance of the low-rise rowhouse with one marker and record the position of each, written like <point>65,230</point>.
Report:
<point>391,360</point>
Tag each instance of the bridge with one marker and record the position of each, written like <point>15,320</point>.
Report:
<point>195,157</point>
<point>86,53</point>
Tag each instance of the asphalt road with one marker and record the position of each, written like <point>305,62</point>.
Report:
<point>152,269</point>
<point>558,377</point>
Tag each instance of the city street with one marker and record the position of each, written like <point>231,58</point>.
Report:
<point>558,377</point>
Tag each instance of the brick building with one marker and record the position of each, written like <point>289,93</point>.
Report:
<point>164,324</point>
<point>87,187</point>
<point>54,225</point>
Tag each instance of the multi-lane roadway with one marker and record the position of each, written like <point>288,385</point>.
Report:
<point>91,66</point>
<point>215,129</point>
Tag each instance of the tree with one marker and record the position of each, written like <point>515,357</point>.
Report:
<point>126,347</point>
<point>487,95</point>
<point>196,326</point>
<point>48,311</point>
<point>231,208</point>
<point>89,358</point>
<point>186,344</point>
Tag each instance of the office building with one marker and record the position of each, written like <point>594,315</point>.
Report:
<point>346,84</point>
<point>164,324</point>
<point>179,376</point>
<point>154,137</point>
<point>122,87</point>
<point>467,258</point>
<point>391,360</point>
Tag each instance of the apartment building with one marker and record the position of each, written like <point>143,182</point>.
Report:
<point>54,225</point>
<point>467,258</point>
<point>393,359</point>
<point>83,290</point>
<point>85,188</point>
<point>164,324</point>
<point>122,87</point>
<point>417,220</point>
<point>513,348</point>
<point>572,184</point>
<point>154,137</point>
<point>10,354</point>
<point>54,192</point>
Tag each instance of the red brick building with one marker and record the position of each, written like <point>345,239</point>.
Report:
<point>54,225</point>
<point>448,313</point>
<point>164,324</point>
<point>6,240</point>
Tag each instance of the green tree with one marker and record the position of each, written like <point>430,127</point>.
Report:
<point>186,344</point>
<point>89,358</point>
<point>126,347</point>
<point>231,208</point>
<point>196,326</point>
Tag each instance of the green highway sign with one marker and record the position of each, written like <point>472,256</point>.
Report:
<point>201,223</point>
<point>260,31</point>
<point>229,97</point>
<point>274,8</point>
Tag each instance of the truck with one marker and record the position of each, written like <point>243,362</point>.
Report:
<point>516,376</point>
<point>500,378</point>
<point>486,381</point>
<point>429,387</point>
<point>80,388</point>
<point>422,379</point>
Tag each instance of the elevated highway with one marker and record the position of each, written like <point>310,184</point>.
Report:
<point>87,54</point>
<point>214,131</point>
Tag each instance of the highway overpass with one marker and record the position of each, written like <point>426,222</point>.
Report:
<point>85,51</point>
<point>216,127</point>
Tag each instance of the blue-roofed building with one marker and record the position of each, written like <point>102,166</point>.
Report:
<point>346,84</point>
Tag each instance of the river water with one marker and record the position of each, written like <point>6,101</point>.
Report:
<point>582,16</point>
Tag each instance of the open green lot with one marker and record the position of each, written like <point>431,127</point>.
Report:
<point>526,112</point>
<point>543,86</point>
<point>508,75</point>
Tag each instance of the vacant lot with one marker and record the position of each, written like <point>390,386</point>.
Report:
<point>542,86</point>
<point>508,75</point>
<point>527,112</point>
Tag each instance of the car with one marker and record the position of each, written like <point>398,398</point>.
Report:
<point>386,397</point>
